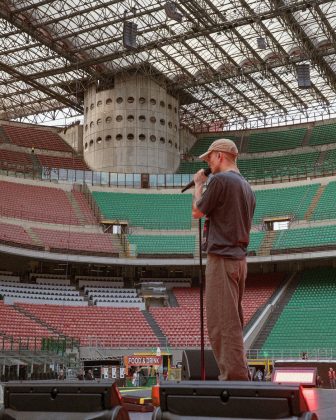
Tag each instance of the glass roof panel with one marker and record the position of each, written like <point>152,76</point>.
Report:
<point>238,59</point>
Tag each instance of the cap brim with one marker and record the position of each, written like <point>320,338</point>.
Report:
<point>205,154</point>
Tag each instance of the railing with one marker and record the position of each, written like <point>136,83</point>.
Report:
<point>89,198</point>
<point>131,342</point>
<point>116,342</point>
<point>283,354</point>
<point>57,345</point>
<point>133,180</point>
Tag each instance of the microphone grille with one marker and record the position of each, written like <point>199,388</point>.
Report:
<point>207,171</point>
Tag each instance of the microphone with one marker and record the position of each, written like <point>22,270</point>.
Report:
<point>207,172</point>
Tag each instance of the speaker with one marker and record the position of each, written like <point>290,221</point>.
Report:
<point>171,11</point>
<point>303,76</point>
<point>129,34</point>
<point>221,400</point>
<point>191,365</point>
<point>62,401</point>
<point>261,42</point>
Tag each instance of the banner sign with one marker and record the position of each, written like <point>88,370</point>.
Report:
<point>144,360</point>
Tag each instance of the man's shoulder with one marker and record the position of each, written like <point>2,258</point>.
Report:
<point>228,174</point>
<point>229,177</point>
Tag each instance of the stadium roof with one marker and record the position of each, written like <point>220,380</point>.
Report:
<point>233,64</point>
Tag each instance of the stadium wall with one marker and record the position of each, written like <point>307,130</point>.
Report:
<point>73,135</point>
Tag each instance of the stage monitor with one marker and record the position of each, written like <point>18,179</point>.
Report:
<point>62,401</point>
<point>295,375</point>
<point>233,399</point>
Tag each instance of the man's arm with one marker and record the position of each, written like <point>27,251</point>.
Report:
<point>199,179</point>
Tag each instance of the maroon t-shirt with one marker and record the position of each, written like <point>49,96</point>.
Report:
<point>229,204</point>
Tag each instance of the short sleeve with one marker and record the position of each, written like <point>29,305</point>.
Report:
<point>210,197</point>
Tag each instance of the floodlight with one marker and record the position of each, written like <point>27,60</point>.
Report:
<point>129,34</point>
<point>303,76</point>
<point>261,43</point>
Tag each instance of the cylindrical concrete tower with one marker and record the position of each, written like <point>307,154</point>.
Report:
<point>131,128</point>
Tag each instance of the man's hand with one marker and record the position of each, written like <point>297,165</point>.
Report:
<point>199,179</point>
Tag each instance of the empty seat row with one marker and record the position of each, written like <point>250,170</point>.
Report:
<point>112,295</point>
<point>31,137</point>
<point>101,283</point>
<point>108,289</point>
<point>6,290</point>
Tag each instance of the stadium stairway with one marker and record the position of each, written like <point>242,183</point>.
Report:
<point>84,189</point>
<point>36,164</point>
<point>267,243</point>
<point>244,144</point>
<point>314,202</point>
<point>306,138</point>
<point>262,336</point>
<point>38,321</point>
<point>163,340</point>
<point>3,137</point>
<point>321,157</point>
<point>34,237</point>
<point>172,299</point>
<point>85,297</point>
<point>75,206</point>
<point>117,245</point>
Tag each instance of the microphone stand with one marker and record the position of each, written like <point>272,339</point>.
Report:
<point>207,172</point>
<point>201,284</point>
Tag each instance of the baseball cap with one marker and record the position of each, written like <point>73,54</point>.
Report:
<point>221,145</point>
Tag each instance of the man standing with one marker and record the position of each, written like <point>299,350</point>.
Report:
<point>228,204</point>
<point>332,377</point>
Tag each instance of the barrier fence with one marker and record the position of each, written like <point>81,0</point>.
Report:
<point>178,180</point>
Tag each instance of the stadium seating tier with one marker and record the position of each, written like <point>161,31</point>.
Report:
<point>109,327</point>
<point>307,321</point>
<point>150,211</point>
<point>323,134</point>
<point>292,202</point>
<point>312,238</point>
<point>276,140</point>
<point>163,244</point>
<point>35,138</point>
<point>40,203</point>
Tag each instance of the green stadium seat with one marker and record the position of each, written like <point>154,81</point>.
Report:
<point>278,166</point>
<point>312,237</point>
<point>150,211</point>
<point>308,320</point>
<point>163,244</point>
<point>192,167</point>
<point>323,134</point>
<point>326,206</point>
<point>276,140</point>
<point>291,202</point>
<point>256,239</point>
<point>293,165</point>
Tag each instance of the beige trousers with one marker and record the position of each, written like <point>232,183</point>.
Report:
<point>224,289</point>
